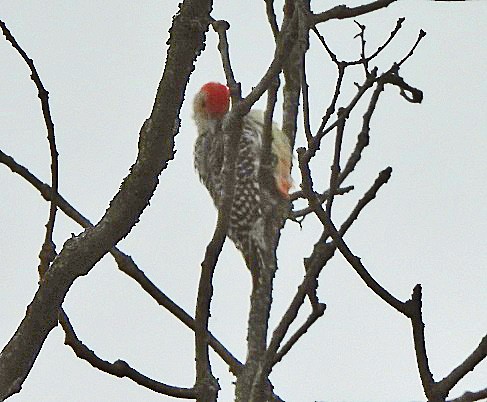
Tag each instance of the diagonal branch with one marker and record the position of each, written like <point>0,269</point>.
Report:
<point>471,396</point>
<point>357,265</point>
<point>119,368</point>
<point>81,253</point>
<point>479,354</point>
<point>316,313</point>
<point>271,17</point>
<point>124,262</point>
<point>342,11</point>
<point>322,253</point>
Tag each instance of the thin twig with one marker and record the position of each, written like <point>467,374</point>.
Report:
<point>119,368</point>
<point>363,136</point>
<point>389,40</point>
<point>357,265</point>
<point>392,77</point>
<point>342,11</point>
<point>335,167</point>
<point>332,55</point>
<point>369,195</point>
<point>363,58</point>
<point>315,145</point>
<point>421,35</point>
<point>300,213</point>
<point>479,354</point>
<point>316,313</point>
<point>48,249</point>
<point>367,59</point>
<point>341,72</point>
<point>304,91</point>
<point>221,27</point>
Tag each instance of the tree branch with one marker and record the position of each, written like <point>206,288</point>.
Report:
<point>415,314</point>
<point>316,313</point>
<point>119,368</point>
<point>81,253</point>
<point>271,17</point>
<point>48,250</point>
<point>479,354</point>
<point>471,396</point>
<point>124,262</point>
<point>342,11</point>
<point>321,254</point>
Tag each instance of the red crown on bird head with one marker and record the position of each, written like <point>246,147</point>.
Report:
<point>217,98</point>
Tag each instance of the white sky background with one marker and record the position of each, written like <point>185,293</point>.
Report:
<point>102,61</point>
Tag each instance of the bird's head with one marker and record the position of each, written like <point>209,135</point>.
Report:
<point>211,102</point>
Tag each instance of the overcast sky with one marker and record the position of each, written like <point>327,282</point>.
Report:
<point>102,61</point>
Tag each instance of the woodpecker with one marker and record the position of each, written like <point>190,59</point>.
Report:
<point>254,208</point>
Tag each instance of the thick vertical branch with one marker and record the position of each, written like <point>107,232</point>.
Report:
<point>79,254</point>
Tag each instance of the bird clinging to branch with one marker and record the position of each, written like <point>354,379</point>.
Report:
<point>256,208</point>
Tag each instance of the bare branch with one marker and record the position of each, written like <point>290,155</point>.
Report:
<point>353,260</point>
<point>281,55</point>
<point>321,254</point>
<point>415,314</point>
<point>357,265</point>
<point>363,136</point>
<point>316,313</point>
<point>304,90</point>
<point>369,195</point>
<point>363,59</point>
<point>81,253</point>
<point>471,396</point>
<point>321,197</point>
<point>119,368</point>
<point>206,382</point>
<point>342,11</point>
<point>479,354</point>
<point>124,262</point>
<point>332,55</point>
<point>271,17</point>
<point>393,78</point>
<point>127,265</point>
<point>335,167</point>
<point>421,35</point>
<point>292,69</point>
<point>48,250</point>
<point>221,28</point>
<point>389,40</point>
<point>315,145</point>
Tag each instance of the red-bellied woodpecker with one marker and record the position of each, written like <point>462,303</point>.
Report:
<point>253,207</point>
